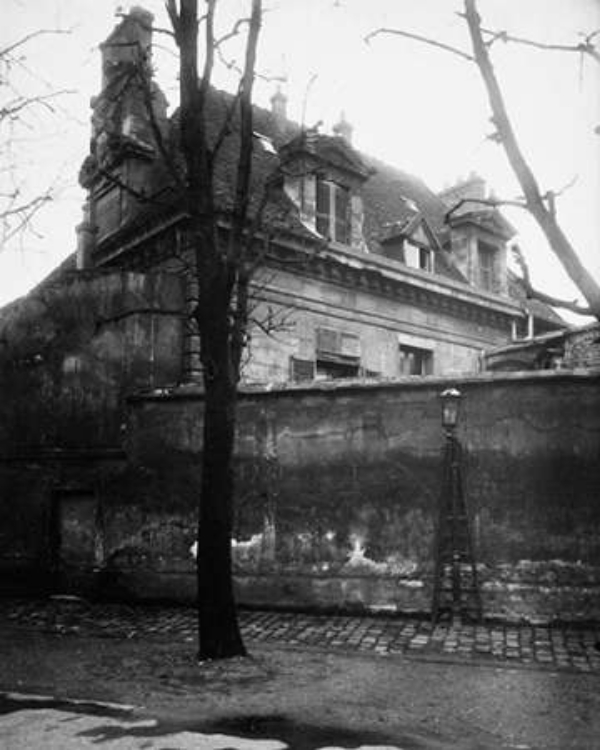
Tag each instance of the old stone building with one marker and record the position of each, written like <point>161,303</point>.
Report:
<point>368,272</point>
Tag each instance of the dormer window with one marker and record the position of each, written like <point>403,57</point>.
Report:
<point>486,257</point>
<point>333,211</point>
<point>416,256</point>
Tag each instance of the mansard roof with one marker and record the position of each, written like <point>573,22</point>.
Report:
<point>391,197</point>
<point>389,194</point>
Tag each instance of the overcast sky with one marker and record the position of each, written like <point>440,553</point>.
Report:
<point>420,109</point>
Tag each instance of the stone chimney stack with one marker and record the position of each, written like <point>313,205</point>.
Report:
<point>343,129</point>
<point>279,104</point>
<point>472,187</point>
<point>123,141</point>
<point>130,40</point>
<point>120,109</point>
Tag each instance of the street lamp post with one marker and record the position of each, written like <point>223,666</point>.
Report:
<point>455,574</point>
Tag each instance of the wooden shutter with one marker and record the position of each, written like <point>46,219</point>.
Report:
<point>342,215</point>
<point>323,207</point>
<point>301,369</point>
<point>328,341</point>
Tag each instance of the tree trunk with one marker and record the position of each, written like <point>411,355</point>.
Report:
<point>218,630</point>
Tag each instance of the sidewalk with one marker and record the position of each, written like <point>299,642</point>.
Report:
<point>558,648</point>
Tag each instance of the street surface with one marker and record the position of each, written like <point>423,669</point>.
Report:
<point>289,694</point>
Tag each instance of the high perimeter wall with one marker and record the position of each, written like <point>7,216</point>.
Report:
<point>338,488</point>
<point>338,483</point>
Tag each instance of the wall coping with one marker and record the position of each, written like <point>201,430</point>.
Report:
<point>195,392</point>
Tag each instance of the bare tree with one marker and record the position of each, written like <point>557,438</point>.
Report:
<point>539,204</point>
<point>222,243</point>
<point>18,205</point>
<point>222,265</point>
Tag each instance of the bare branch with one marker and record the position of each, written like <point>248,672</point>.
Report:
<point>419,38</point>
<point>16,106</point>
<point>226,126</point>
<point>26,207</point>
<point>147,93</point>
<point>557,240</point>
<point>244,166</point>
<point>585,47</point>
<point>533,293</point>
<point>491,202</point>
<point>23,214</point>
<point>139,195</point>
<point>28,37</point>
<point>172,12</point>
<point>233,33</point>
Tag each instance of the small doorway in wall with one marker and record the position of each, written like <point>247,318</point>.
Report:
<point>75,539</point>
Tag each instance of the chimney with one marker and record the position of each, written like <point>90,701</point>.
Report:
<point>343,129</point>
<point>120,109</point>
<point>124,45</point>
<point>279,104</point>
<point>472,186</point>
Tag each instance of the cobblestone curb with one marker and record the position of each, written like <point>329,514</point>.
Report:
<point>565,647</point>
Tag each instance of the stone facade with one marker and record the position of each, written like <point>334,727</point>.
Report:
<point>338,485</point>
<point>374,258</point>
<point>337,481</point>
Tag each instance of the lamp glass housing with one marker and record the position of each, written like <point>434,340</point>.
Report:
<point>450,399</point>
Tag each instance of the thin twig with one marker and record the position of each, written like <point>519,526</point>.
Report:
<point>419,38</point>
<point>28,37</point>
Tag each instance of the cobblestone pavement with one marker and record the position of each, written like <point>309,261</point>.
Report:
<point>565,647</point>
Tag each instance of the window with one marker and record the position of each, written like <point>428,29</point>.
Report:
<point>327,370</point>
<point>418,257</point>
<point>337,355</point>
<point>486,256</point>
<point>301,369</point>
<point>333,211</point>
<point>415,361</point>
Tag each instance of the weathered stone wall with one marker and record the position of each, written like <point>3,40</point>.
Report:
<point>338,486</point>
<point>70,352</point>
<point>337,482</point>
<point>582,348</point>
<point>297,305</point>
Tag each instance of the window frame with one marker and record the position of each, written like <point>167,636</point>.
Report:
<point>421,357</point>
<point>333,210</point>
<point>486,271</point>
<point>424,255</point>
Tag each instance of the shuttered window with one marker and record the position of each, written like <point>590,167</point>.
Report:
<point>342,215</point>
<point>301,369</point>
<point>333,211</point>
<point>323,207</point>
<point>486,255</point>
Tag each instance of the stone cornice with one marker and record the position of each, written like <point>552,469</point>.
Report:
<point>380,276</point>
<point>354,269</point>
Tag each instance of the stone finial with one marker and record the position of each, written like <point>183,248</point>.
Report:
<point>343,128</point>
